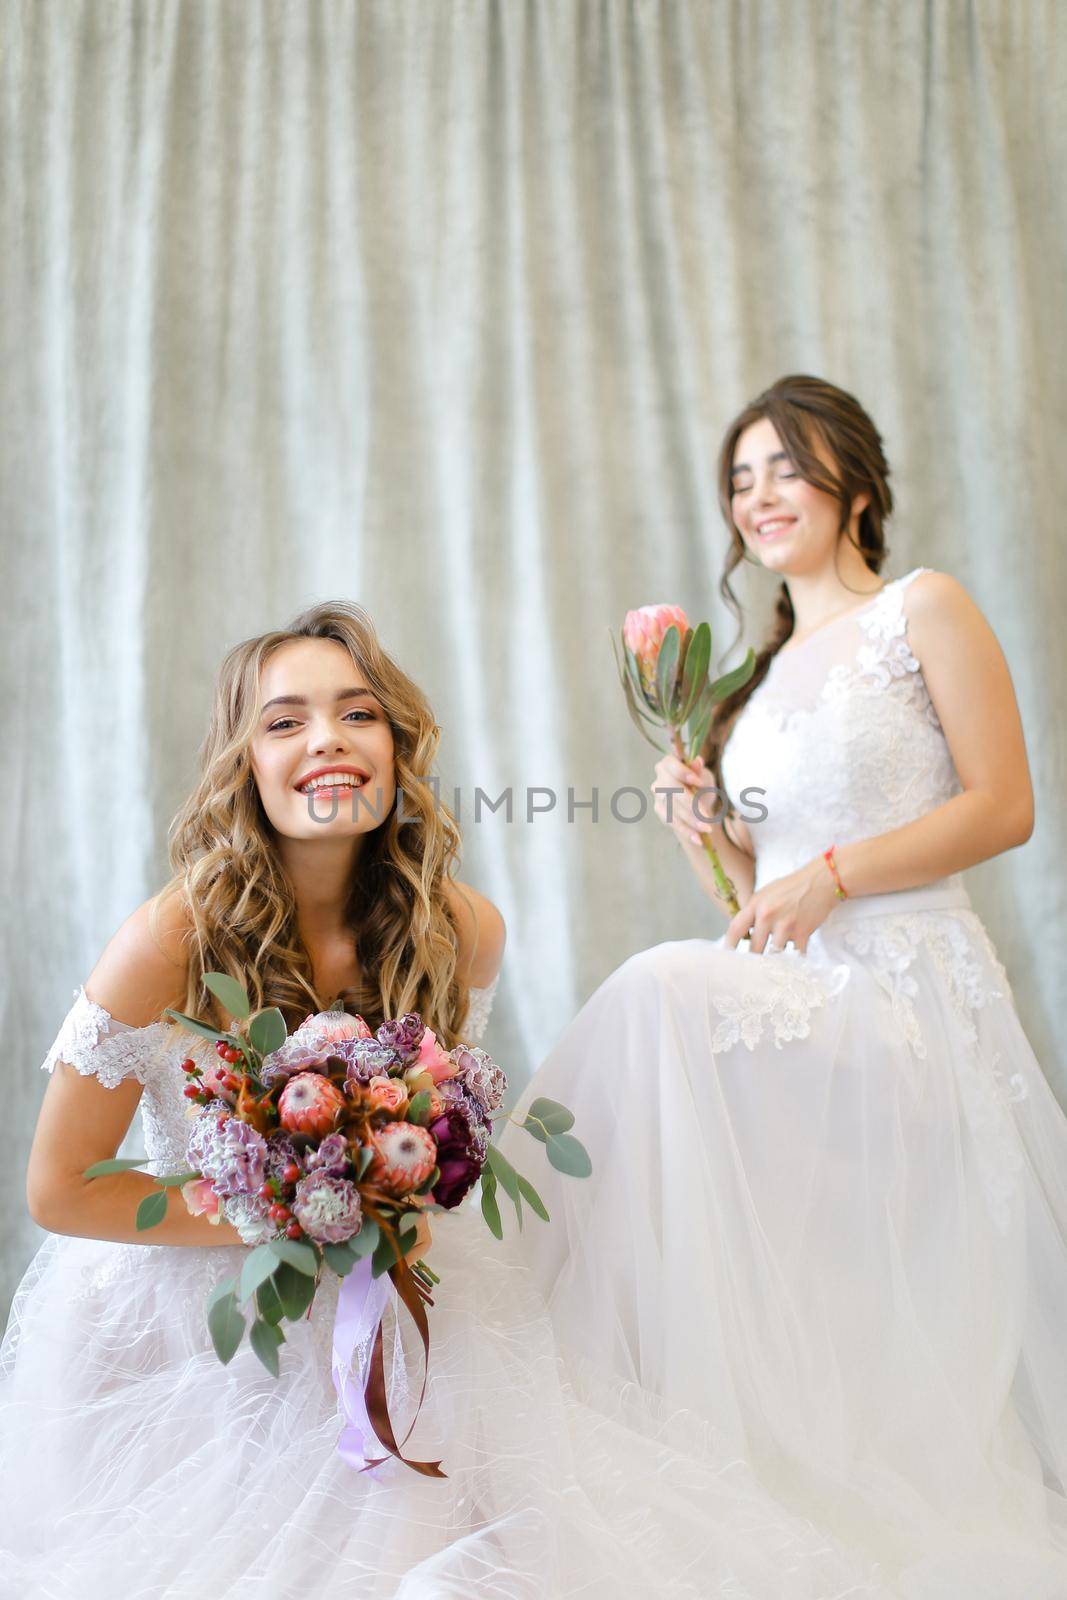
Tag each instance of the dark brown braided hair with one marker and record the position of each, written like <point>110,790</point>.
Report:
<point>800,408</point>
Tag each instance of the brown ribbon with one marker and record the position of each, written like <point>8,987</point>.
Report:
<point>416,1298</point>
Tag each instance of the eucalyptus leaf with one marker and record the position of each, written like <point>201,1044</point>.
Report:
<point>174,1180</point>
<point>366,1156</point>
<point>507,1177</point>
<point>532,1198</point>
<point>102,1169</point>
<point>268,1301</point>
<point>265,1338</point>
<point>295,1290</point>
<point>567,1154</point>
<point>340,1258</point>
<point>230,992</point>
<point>555,1117</point>
<point>490,1209</point>
<point>384,1256</point>
<point>259,1265</point>
<point>267,1031</point>
<point>302,1256</point>
<point>365,1242</point>
<point>152,1210</point>
<point>225,1323</point>
<point>205,1029</point>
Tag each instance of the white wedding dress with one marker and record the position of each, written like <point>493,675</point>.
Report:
<point>133,1466</point>
<point>828,1209</point>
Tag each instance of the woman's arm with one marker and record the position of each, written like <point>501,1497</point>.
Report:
<point>970,685</point>
<point>81,1121</point>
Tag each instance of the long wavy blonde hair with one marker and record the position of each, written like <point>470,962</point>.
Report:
<point>239,899</point>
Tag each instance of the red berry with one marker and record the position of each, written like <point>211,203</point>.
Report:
<point>232,1055</point>
<point>279,1213</point>
<point>191,1092</point>
<point>290,1172</point>
<point>266,1191</point>
<point>221,1048</point>
<point>293,1229</point>
<point>229,1082</point>
<point>189,1065</point>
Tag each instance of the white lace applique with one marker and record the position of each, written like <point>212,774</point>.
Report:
<point>478,1009</point>
<point>970,983</point>
<point>783,1000</point>
<point>96,1045</point>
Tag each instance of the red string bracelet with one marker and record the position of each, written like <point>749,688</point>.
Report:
<point>839,888</point>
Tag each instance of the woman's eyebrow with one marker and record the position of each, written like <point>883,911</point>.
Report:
<point>743,466</point>
<point>302,699</point>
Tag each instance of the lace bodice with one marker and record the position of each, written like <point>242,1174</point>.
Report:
<point>841,736</point>
<point>96,1044</point>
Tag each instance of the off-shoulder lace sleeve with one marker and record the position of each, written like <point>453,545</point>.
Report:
<point>97,1045</point>
<point>478,1009</point>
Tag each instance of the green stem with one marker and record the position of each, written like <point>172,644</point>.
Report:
<point>723,884</point>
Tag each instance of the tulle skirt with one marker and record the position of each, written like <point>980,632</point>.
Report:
<point>134,1466</point>
<point>828,1214</point>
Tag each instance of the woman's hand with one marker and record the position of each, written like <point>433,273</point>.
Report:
<point>423,1240</point>
<point>677,810</point>
<point>786,911</point>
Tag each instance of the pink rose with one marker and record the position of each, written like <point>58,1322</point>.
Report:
<point>432,1059</point>
<point>309,1103</point>
<point>200,1197</point>
<point>387,1094</point>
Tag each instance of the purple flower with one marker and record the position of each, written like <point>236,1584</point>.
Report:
<point>248,1213</point>
<point>403,1034</point>
<point>479,1073</point>
<point>228,1152</point>
<point>327,1208</point>
<point>367,1059</point>
<point>458,1156</point>
<point>331,1156</point>
<point>298,1055</point>
<point>280,1151</point>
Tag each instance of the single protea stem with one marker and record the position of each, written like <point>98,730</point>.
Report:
<point>723,884</point>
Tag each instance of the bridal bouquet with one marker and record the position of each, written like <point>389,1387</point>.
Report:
<point>665,680</point>
<point>323,1148</point>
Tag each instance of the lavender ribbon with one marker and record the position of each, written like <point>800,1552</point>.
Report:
<point>360,1305</point>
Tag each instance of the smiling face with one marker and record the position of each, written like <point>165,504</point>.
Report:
<point>328,722</point>
<point>788,524</point>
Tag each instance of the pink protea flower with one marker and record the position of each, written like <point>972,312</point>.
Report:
<point>327,1027</point>
<point>309,1103</point>
<point>200,1197</point>
<point>432,1059</point>
<point>388,1094</point>
<point>643,632</point>
<point>404,1156</point>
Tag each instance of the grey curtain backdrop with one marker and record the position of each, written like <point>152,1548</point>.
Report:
<point>443,305</point>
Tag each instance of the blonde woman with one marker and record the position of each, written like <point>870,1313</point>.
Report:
<point>843,1170</point>
<point>132,1463</point>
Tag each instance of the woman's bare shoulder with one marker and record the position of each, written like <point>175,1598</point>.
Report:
<point>482,933</point>
<point>144,965</point>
